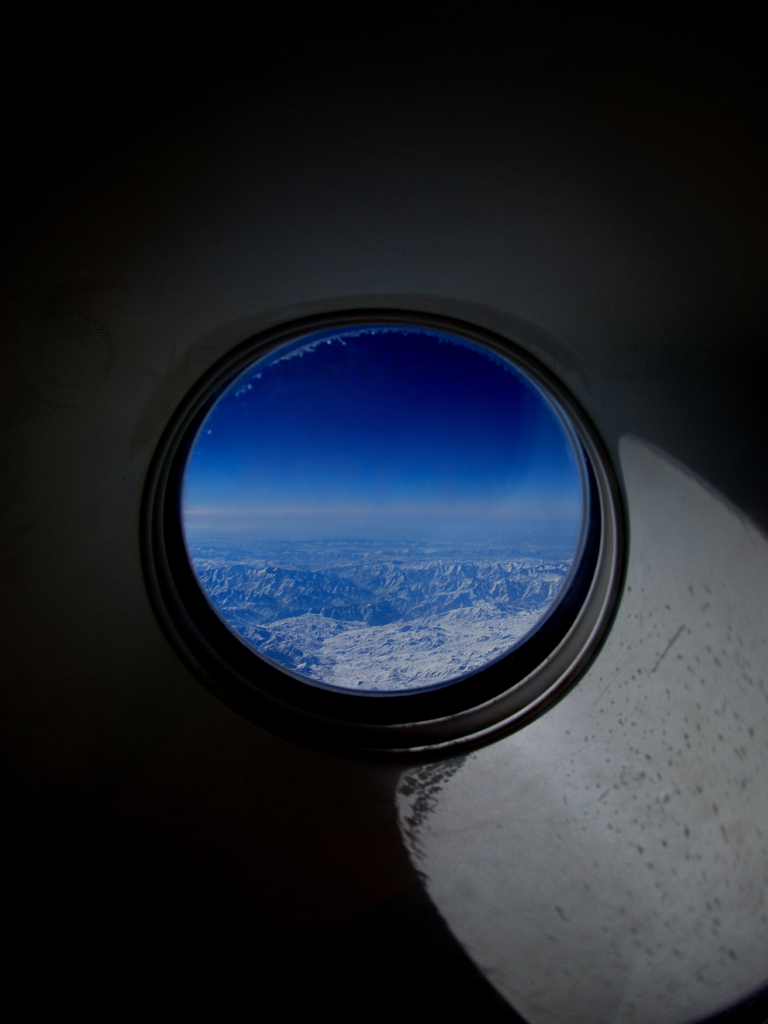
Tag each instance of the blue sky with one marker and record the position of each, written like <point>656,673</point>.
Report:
<point>381,432</point>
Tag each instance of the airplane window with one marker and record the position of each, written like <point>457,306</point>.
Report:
<point>382,523</point>
<point>382,507</point>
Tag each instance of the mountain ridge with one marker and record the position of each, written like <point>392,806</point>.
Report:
<point>379,623</point>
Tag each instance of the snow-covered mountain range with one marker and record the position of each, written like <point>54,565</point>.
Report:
<point>370,617</point>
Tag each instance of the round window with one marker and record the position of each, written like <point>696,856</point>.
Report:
<point>384,533</point>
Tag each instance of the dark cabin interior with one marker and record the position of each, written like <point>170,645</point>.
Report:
<point>592,185</point>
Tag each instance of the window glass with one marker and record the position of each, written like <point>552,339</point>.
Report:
<point>382,507</point>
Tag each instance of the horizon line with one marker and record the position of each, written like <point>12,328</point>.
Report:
<point>562,511</point>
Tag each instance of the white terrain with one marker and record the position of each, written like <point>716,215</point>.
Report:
<point>364,617</point>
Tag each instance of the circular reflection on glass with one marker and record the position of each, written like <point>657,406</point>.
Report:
<point>383,508</point>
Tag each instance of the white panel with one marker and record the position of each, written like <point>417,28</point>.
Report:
<point>609,863</point>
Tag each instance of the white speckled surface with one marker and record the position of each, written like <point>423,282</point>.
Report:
<point>609,863</point>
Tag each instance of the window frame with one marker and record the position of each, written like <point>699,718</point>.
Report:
<point>404,725</point>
